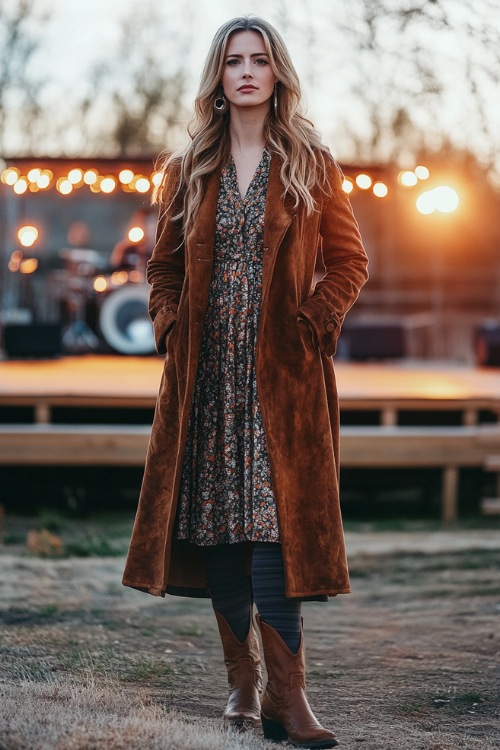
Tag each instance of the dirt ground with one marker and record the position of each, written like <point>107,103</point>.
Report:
<point>411,659</point>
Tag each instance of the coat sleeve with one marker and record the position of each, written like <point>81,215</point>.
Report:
<point>345,262</point>
<point>165,269</point>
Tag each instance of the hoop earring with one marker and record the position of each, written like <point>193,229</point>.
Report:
<point>220,104</point>
<point>275,100</point>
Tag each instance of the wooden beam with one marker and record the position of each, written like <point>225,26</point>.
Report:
<point>73,445</point>
<point>449,494</point>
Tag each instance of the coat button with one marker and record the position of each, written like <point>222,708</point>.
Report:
<point>330,327</point>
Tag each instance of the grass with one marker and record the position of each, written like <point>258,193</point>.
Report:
<point>102,535</point>
<point>407,661</point>
<point>113,662</point>
<point>410,525</point>
<point>33,671</point>
<point>189,630</point>
<point>96,545</point>
<point>101,714</point>
<point>411,564</point>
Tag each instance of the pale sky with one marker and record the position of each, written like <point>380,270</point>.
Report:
<point>83,32</point>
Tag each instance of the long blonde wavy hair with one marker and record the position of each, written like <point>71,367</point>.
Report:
<point>287,133</point>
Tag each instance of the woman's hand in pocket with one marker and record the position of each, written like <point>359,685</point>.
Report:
<point>169,333</point>
<point>306,333</point>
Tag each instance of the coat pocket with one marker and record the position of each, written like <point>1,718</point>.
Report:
<point>306,334</point>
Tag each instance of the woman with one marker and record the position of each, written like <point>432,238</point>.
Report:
<point>240,494</point>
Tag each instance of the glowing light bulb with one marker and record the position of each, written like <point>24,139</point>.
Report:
<point>422,172</point>
<point>28,265</point>
<point>446,199</point>
<point>363,181</point>
<point>119,277</point>
<point>408,179</point>
<point>142,185</point>
<point>425,202</point>
<point>21,186</point>
<point>75,176</point>
<point>34,174</point>
<point>10,176</point>
<point>64,186</point>
<point>157,178</point>
<point>90,177</point>
<point>43,181</point>
<point>380,189</point>
<point>100,284</point>
<point>126,176</point>
<point>27,235</point>
<point>136,234</point>
<point>15,261</point>
<point>108,184</point>
<point>347,185</point>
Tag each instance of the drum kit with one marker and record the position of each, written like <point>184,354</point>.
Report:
<point>103,308</point>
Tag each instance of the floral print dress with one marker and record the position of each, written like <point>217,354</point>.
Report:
<point>226,493</point>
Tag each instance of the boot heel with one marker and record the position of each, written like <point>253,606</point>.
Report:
<point>272,730</point>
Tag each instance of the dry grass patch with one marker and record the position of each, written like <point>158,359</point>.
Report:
<point>99,714</point>
<point>409,661</point>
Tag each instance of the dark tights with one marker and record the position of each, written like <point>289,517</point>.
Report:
<point>231,590</point>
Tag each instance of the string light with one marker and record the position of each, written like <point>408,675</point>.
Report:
<point>408,178</point>
<point>127,180</point>
<point>34,174</point>
<point>21,186</point>
<point>422,172</point>
<point>126,176</point>
<point>75,176</point>
<point>142,184</point>
<point>119,277</point>
<point>363,181</point>
<point>27,235</point>
<point>43,181</point>
<point>64,186</point>
<point>136,234</point>
<point>100,284</point>
<point>90,177</point>
<point>107,184</point>
<point>10,176</point>
<point>347,185</point>
<point>380,189</point>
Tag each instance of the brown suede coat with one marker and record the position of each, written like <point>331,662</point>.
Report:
<point>295,380</point>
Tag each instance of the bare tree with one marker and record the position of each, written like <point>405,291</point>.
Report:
<point>19,87</point>
<point>419,69</point>
<point>136,100</point>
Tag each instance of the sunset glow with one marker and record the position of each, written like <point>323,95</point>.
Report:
<point>443,199</point>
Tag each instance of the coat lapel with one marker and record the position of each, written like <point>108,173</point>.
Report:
<point>277,219</point>
<point>203,232</point>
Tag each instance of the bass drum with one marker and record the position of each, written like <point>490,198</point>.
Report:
<point>124,320</point>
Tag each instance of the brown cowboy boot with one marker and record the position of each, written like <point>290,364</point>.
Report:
<point>285,711</point>
<point>244,676</point>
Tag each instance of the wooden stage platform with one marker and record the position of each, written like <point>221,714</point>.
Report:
<point>48,414</point>
<point>133,381</point>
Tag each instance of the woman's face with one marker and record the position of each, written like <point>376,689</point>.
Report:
<point>248,79</point>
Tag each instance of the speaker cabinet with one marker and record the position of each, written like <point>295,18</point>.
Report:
<point>32,340</point>
<point>375,341</point>
<point>487,344</point>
